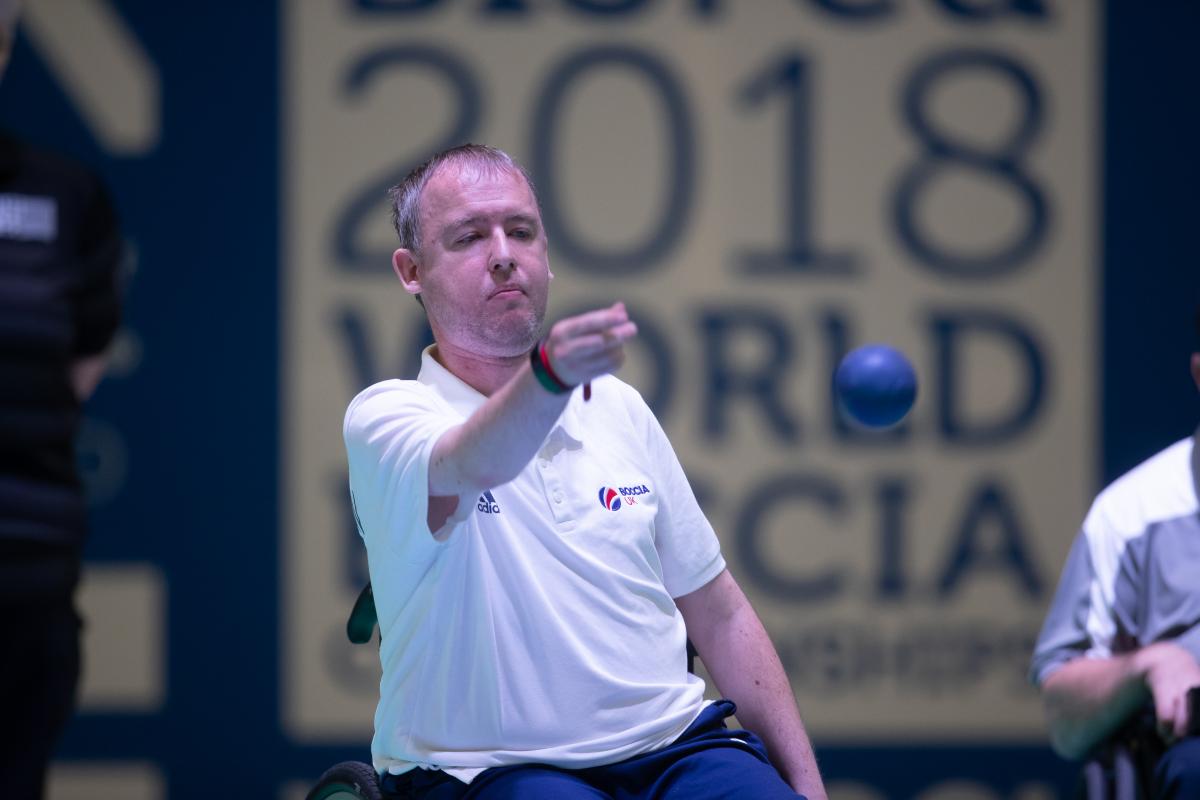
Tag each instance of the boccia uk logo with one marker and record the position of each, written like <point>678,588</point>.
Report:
<point>611,497</point>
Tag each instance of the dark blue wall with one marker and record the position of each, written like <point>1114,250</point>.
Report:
<point>1152,266</point>
<point>199,414</point>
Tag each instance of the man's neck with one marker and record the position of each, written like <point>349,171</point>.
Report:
<point>484,374</point>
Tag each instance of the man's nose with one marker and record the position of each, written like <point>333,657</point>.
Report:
<point>502,258</point>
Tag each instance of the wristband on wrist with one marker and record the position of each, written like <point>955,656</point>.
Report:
<point>544,373</point>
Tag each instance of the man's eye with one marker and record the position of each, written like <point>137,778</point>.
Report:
<point>467,238</point>
<point>523,233</point>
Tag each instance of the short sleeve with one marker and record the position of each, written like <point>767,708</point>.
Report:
<point>687,546</point>
<point>1064,634</point>
<point>390,430</point>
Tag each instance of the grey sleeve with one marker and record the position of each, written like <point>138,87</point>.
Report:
<point>1190,641</point>
<point>1064,634</point>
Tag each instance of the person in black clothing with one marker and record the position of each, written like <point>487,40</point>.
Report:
<point>59,248</point>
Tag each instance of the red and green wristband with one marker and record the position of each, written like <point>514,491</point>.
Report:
<point>544,373</point>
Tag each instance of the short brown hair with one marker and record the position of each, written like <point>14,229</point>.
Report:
<point>406,195</point>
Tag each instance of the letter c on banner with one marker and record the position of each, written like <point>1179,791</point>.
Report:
<point>749,528</point>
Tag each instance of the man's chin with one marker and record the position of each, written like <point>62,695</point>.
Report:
<point>512,342</point>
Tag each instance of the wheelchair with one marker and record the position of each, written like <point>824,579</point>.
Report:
<point>353,780</point>
<point>347,780</point>
<point>1122,768</point>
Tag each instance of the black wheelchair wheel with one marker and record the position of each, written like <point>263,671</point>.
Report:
<point>349,780</point>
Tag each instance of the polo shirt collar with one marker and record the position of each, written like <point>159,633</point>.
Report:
<point>461,397</point>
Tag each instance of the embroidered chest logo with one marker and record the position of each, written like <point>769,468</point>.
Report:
<point>611,497</point>
<point>487,504</point>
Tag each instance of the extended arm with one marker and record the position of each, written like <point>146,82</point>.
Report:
<point>496,442</point>
<point>742,661</point>
<point>500,438</point>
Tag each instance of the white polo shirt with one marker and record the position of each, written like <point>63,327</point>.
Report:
<point>540,626</point>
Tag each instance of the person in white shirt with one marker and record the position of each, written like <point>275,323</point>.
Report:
<point>538,558</point>
<point>1123,631</point>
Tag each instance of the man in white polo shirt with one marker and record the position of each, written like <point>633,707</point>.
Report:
<point>537,556</point>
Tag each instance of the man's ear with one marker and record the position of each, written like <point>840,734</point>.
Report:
<point>1196,369</point>
<point>405,267</point>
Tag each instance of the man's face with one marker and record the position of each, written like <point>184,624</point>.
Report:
<point>482,269</point>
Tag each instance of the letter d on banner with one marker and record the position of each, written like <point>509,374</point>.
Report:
<point>951,334</point>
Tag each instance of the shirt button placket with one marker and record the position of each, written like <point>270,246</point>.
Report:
<point>555,492</point>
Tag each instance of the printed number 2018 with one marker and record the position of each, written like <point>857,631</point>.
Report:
<point>798,252</point>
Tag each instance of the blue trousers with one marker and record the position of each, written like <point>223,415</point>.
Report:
<point>1177,775</point>
<point>707,761</point>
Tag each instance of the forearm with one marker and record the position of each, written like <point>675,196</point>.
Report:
<point>747,670</point>
<point>1089,698</point>
<point>498,440</point>
<point>743,664</point>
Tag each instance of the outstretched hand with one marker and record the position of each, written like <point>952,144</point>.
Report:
<point>586,346</point>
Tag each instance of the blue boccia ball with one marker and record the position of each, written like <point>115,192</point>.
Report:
<point>875,385</point>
